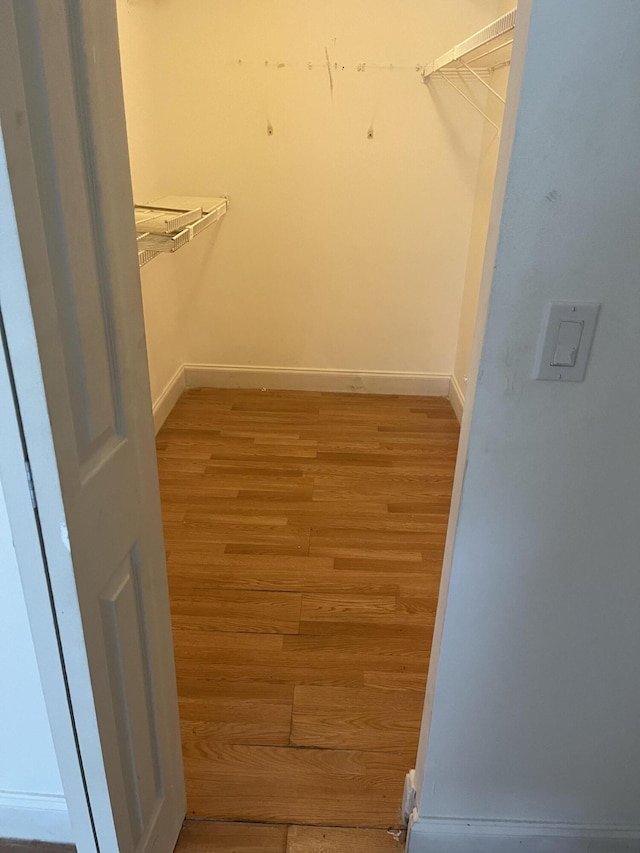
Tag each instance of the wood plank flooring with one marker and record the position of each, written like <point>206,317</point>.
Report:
<point>305,534</point>
<point>199,836</point>
<point>208,836</point>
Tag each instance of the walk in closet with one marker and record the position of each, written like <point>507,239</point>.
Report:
<point>358,188</point>
<point>313,183</point>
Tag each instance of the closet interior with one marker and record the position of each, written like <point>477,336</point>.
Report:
<point>313,183</point>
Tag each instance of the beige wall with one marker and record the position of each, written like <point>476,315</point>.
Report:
<point>165,298</point>
<point>339,251</point>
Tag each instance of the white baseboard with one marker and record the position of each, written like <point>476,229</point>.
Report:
<point>481,836</point>
<point>169,397</point>
<point>35,817</point>
<point>299,379</point>
<point>456,398</point>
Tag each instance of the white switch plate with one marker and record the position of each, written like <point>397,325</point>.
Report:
<point>584,313</point>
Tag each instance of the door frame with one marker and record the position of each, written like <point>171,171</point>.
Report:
<point>507,136</point>
<point>42,550</point>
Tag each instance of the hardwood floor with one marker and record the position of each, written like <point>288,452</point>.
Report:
<point>207,836</point>
<point>305,534</point>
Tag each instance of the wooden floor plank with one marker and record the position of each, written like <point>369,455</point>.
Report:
<point>332,660</point>
<point>230,714</point>
<point>204,836</point>
<point>191,575</point>
<point>235,610</point>
<point>377,609</point>
<point>348,718</point>
<point>324,839</point>
<point>291,785</point>
<point>305,534</point>
<point>392,680</point>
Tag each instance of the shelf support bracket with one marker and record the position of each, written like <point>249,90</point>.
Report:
<point>469,100</point>
<point>484,82</point>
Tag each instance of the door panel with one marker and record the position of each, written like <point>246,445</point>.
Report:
<point>126,642</point>
<point>84,292</point>
<point>68,162</point>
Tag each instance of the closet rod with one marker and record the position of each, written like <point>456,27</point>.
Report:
<point>492,50</point>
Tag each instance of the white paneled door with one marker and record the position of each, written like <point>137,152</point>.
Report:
<point>74,335</point>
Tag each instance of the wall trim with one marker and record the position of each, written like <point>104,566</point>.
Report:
<point>313,379</point>
<point>456,835</point>
<point>35,817</point>
<point>168,398</point>
<point>456,398</point>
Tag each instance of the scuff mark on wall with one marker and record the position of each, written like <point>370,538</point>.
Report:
<point>326,53</point>
<point>64,536</point>
<point>509,378</point>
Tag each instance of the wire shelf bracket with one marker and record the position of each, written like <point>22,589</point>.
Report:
<point>476,58</point>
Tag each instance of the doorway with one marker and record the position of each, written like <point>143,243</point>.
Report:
<point>398,502</point>
<point>268,494</point>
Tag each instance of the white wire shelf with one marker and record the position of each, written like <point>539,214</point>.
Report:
<point>475,59</point>
<point>168,223</point>
<point>487,42</point>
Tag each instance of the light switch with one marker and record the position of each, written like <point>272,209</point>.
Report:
<point>565,342</point>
